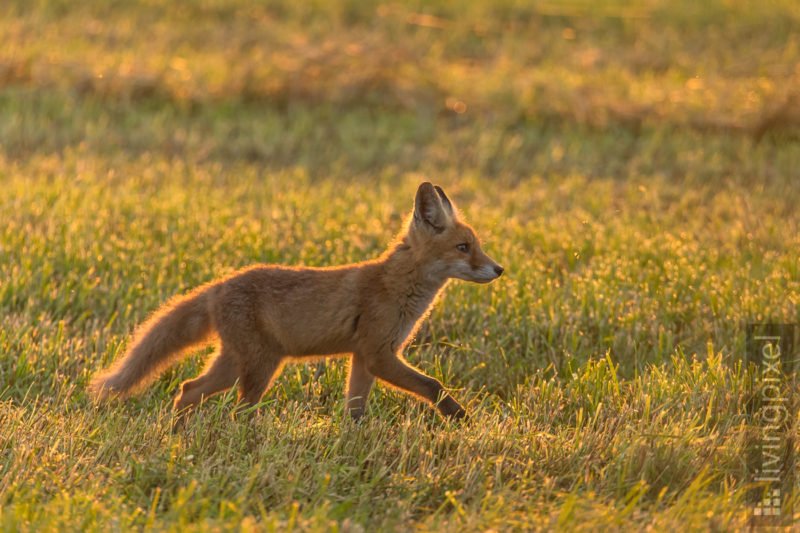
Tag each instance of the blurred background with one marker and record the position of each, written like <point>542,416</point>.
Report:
<point>475,85</point>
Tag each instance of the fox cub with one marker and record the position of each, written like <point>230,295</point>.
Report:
<point>265,315</point>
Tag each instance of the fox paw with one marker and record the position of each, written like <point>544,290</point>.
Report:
<point>452,409</point>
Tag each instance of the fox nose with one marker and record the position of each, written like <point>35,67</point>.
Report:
<point>498,270</point>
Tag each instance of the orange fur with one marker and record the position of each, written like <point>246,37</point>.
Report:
<point>266,315</point>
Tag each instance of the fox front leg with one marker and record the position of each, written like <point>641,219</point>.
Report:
<point>359,385</point>
<point>392,370</point>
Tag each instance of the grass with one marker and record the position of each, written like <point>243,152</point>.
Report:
<point>632,165</point>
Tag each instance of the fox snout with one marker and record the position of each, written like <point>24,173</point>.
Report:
<point>489,272</point>
<point>481,268</point>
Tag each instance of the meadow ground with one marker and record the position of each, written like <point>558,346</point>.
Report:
<point>634,166</point>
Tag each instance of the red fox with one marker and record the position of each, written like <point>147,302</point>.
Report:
<point>265,315</point>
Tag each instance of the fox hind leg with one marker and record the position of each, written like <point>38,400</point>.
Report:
<point>220,375</point>
<point>256,377</point>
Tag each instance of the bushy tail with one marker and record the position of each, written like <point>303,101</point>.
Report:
<point>158,343</point>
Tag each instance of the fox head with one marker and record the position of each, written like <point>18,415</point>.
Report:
<point>447,246</point>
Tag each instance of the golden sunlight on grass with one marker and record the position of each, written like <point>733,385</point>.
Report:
<point>633,166</point>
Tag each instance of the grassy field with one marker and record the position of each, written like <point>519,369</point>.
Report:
<point>635,166</point>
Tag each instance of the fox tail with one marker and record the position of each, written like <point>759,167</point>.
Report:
<point>160,342</point>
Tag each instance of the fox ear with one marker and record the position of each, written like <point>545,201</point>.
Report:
<point>445,200</point>
<point>429,209</point>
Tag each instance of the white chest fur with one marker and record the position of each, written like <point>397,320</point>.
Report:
<point>413,310</point>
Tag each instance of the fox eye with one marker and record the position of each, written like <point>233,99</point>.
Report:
<point>463,247</point>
